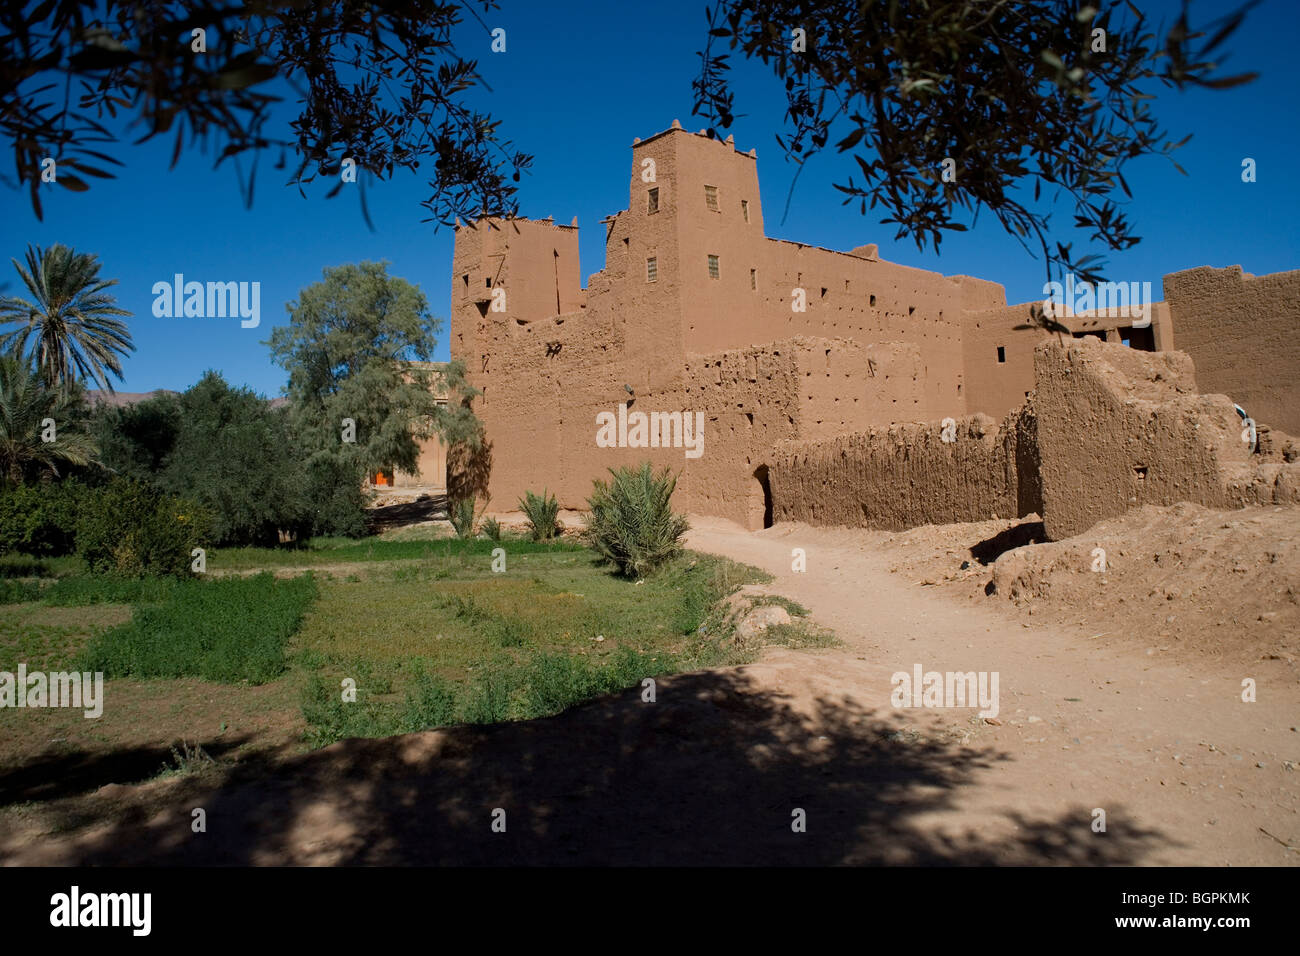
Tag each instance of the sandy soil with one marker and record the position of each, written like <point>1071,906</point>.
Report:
<point>715,769</point>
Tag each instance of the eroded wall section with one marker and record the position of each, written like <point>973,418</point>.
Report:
<point>1120,428</point>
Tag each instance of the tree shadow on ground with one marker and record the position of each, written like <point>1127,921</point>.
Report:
<point>61,773</point>
<point>709,774</point>
<point>391,517</point>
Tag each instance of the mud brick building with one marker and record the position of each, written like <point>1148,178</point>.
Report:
<point>697,311</point>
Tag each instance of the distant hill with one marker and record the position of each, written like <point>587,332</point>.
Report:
<point>95,397</point>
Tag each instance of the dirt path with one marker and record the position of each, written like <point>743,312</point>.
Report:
<point>717,767</point>
<point>1159,746</point>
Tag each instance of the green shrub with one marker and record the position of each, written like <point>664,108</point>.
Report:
<point>13,591</point>
<point>40,519</point>
<point>129,528</point>
<point>431,702</point>
<point>492,528</point>
<point>461,513</point>
<point>632,524</point>
<point>541,511</point>
<point>555,682</point>
<point>334,503</point>
<point>329,719</point>
<point>227,629</point>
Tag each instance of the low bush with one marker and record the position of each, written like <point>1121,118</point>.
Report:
<point>492,528</point>
<point>13,591</point>
<point>632,524</point>
<point>129,528</point>
<point>40,519</point>
<point>541,511</point>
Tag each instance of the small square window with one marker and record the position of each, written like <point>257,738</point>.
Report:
<point>488,280</point>
<point>713,267</point>
<point>711,197</point>
<point>465,291</point>
<point>753,279</point>
<point>744,209</point>
<point>1002,354</point>
<point>652,269</point>
<point>873,300</point>
<point>652,200</point>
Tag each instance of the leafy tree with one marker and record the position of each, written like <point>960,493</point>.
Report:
<point>234,455</point>
<point>353,349</point>
<point>71,323</point>
<point>1013,93</point>
<point>225,448</point>
<point>379,83</point>
<point>136,440</point>
<point>27,406</point>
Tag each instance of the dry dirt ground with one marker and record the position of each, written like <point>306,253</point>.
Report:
<point>1114,697</point>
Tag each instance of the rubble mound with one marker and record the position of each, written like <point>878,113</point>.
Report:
<point>1179,577</point>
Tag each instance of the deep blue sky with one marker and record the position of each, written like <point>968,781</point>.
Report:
<point>577,83</point>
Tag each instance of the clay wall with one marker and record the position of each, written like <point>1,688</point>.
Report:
<point>905,475</point>
<point>998,348</point>
<point>1119,428</point>
<point>1242,333</point>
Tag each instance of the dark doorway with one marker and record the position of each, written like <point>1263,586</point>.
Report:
<point>762,496</point>
<point>1142,339</point>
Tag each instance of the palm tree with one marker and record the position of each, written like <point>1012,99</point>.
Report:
<point>71,322</point>
<point>25,404</point>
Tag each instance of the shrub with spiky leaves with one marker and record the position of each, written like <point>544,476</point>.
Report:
<point>632,524</point>
<point>541,511</point>
<point>461,513</point>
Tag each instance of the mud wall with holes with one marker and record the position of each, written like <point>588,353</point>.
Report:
<point>1119,428</point>
<point>901,476</point>
<point>548,383</point>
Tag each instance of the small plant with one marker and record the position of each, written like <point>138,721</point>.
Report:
<point>632,524</point>
<point>541,511</point>
<point>462,517</point>
<point>492,528</point>
<point>186,760</point>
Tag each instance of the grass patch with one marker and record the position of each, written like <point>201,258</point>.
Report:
<point>82,590</point>
<point>451,642</point>
<point>793,608</point>
<point>321,551</point>
<point>16,565</point>
<point>228,630</point>
<point>14,591</point>
<point>46,638</point>
<point>539,686</point>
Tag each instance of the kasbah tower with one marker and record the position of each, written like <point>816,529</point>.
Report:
<point>696,311</point>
